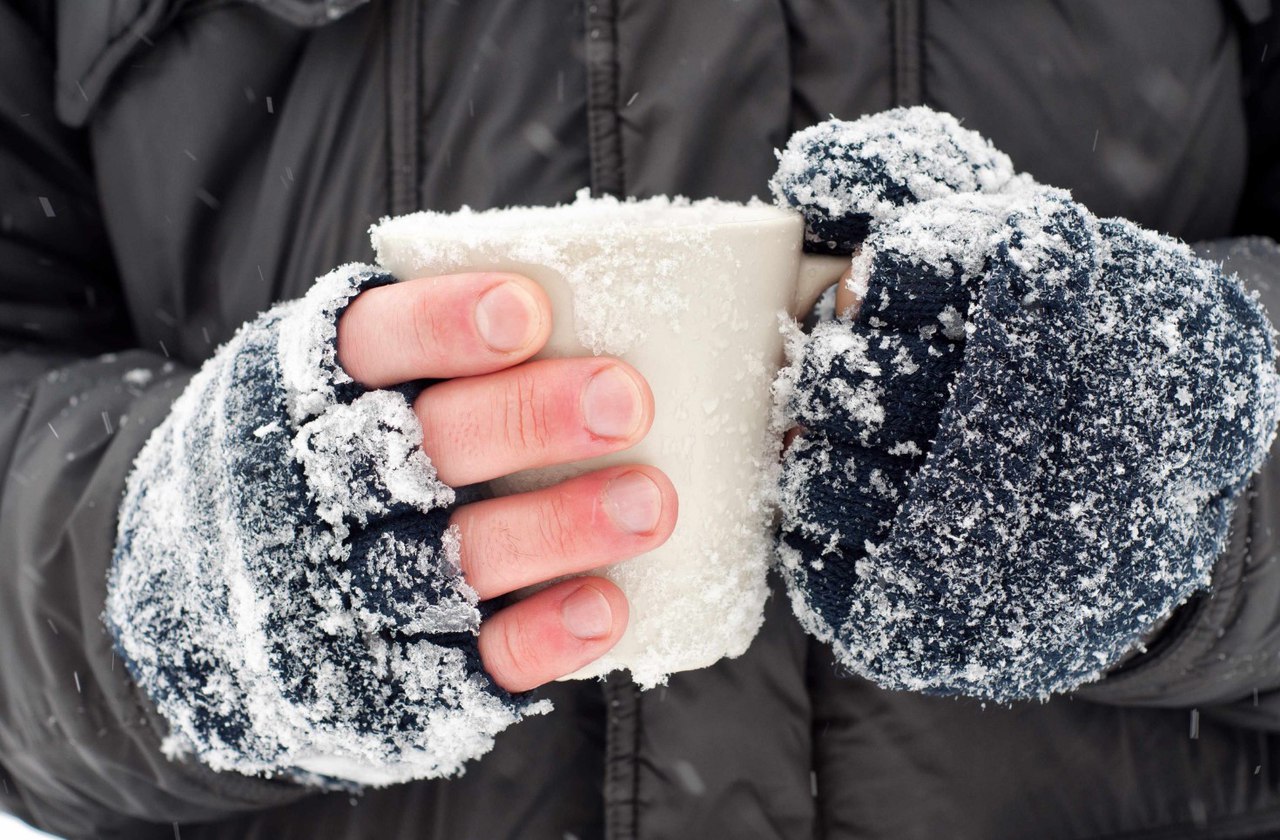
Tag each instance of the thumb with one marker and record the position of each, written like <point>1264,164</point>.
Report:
<point>846,297</point>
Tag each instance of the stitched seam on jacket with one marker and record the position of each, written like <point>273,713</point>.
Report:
<point>77,97</point>
<point>1234,827</point>
<point>908,82</point>
<point>404,108</point>
<point>259,792</point>
<point>604,136</point>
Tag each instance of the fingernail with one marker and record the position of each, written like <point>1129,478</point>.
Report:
<point>611,404</point>
<point>586,614</point>
<point>634,502</point>
<point>506,317</point>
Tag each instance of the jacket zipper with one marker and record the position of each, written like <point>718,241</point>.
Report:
<point>622,758</point>
<point>404,107</point>
<point>603,123</point>
<point>604,137</point>
<point>908,46</point>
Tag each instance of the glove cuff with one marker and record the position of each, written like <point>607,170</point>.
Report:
<point>308,345</point>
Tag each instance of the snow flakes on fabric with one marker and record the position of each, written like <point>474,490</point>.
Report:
<point>843,175</point>
<point>309,343</point>
<point>375,435</point>
<point>286,587</point>
<point>1023,452</point>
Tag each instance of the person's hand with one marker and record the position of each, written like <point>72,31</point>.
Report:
<point>1022,451</point>
<point>497,414</point>
<point>304,579</point>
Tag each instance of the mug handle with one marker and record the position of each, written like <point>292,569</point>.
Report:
<point>817,272</point>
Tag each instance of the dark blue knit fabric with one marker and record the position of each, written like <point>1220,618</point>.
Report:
<point>855,462</point>
<point>1023,452</point>
<point>844,176</point>
<point>285,586</point>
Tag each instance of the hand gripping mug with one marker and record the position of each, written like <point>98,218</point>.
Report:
<point>689,294</point>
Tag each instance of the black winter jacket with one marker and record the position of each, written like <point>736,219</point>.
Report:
<point>169,168</point>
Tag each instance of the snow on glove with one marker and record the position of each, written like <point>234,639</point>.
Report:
<point>844,177</point>
<point>1023,452</point>
<point>285,586</point>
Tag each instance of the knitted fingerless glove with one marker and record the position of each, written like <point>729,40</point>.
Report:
<point>1023,452</point>
<point>285,586</point>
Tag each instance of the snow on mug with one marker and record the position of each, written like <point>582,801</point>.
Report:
<point>689,294</point>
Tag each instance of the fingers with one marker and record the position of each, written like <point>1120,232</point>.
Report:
<point>583,523</point>
<point>552,632</point>
<point>847,305</point>
<point>440,327</point>
<point>540,413</point>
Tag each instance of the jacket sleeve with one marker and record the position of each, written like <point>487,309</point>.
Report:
<point>79,744</point>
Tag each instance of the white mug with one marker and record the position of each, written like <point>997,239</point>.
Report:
<point>688,293</point>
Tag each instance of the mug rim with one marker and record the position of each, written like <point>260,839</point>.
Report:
<point>615,217</point>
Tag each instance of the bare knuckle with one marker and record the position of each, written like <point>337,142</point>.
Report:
<point>435,418</point>
<point>424,417</point>
<point>428,331</point>
<point>488,558</point>
<point>520,650</point>
<point>528,415</point>
<point>556,526</point>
